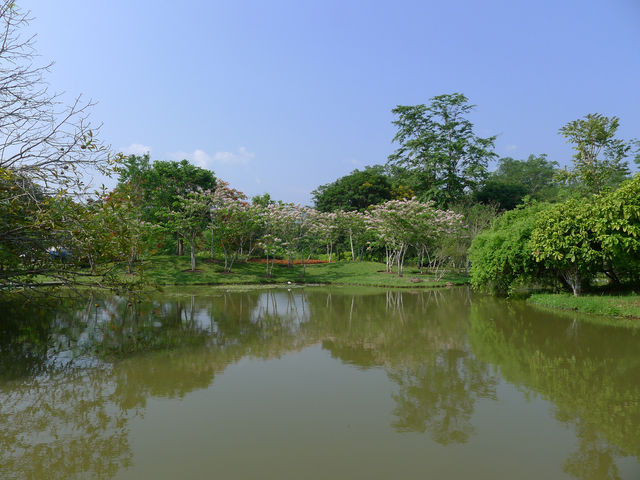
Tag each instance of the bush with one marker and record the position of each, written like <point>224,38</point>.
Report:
<point>501,256</point>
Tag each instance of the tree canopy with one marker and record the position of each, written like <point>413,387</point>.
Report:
<point>356,191</point>
<point>599,161</point>
<point>515,179</point>
<point>437,145</point>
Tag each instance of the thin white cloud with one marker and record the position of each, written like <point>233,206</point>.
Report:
<point>510,148</point>
<point>205,160</point>
<point>136,149</point>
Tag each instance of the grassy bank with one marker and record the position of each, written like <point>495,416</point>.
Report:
<point>624,306</point>
<point>173,270</point>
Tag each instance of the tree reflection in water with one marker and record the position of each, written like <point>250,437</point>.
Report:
<point>73,377</point>
<point>420,338</point>
<point>591,382</point>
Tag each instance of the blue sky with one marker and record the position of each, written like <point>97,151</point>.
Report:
<point>282,96</point>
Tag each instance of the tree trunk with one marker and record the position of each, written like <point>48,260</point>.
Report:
<point>180,247</point>
<point>192,246</point>
<point>353,255</point>
<point>400,259</point>
<point>211,252</point>
<point>572,277</point>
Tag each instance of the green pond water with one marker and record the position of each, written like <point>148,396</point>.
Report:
<point>315,383</point>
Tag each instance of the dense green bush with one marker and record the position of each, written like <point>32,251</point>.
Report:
<point>565,243</point>
<point>501,256</point>
<point>571,242</point>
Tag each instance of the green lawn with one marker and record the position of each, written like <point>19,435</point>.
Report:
<point>616,306</point>
<point>173,270</point>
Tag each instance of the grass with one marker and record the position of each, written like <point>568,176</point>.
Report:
<point>173,270</point>
<point>625,306</point>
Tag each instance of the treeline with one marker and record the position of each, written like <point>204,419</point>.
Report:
<point>176,203</point>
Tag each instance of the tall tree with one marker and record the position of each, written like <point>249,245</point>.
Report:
<point>439,146</point>
<point>599,162</point>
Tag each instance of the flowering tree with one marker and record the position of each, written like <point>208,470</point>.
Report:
<point>315,229</point>
<point>432,226</point>
<point>400,224</point>
<point>354,226</point>
<point>235,223</point>
<point>327,228</point>
<point>391,222</point>
<point>289,229</point>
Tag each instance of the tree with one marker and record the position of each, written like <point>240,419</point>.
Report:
<point>505,195</point>
<point>437,144</point>
<point>285,226</point>
<point>262,200</point>
<point>400,224</point>
<point>235,224</point>
<point>476,217</point>
<point>356,191</point>
<point>515,179</point>
<point>159,185</point>
<point>501,257</point>
<point>354,225</point>
<point>617,227</point>
<point>326,228</point>
<point>599,160</point>
<point>45,148</point>
<point>536,173</point>
<point>188,218</point>
<point>565,243</point>
<point>41,139</point>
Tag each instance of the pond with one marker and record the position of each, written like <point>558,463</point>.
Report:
<point>315,383</point>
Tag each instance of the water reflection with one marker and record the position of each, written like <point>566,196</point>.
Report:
<point>420,338</point>
<point>590,374</point>
<point>73,378</point>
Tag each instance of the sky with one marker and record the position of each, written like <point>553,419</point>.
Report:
<point>283,96</point>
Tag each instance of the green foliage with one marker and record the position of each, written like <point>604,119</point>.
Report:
<point>501,256</point>
<point>263,200</point>
<point>599,160</point>
<point>580,238</point>
<point>159,185</point>
<point>476,218</point>
<point>617,226</point>
<point>536,173</point>
<point>189,217</point>
<point>515,179</point>
<point>564,241</point>
<point>505,195</point>
<point>438,145</point>
<point>573,242</point>
<point>356,191</point>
